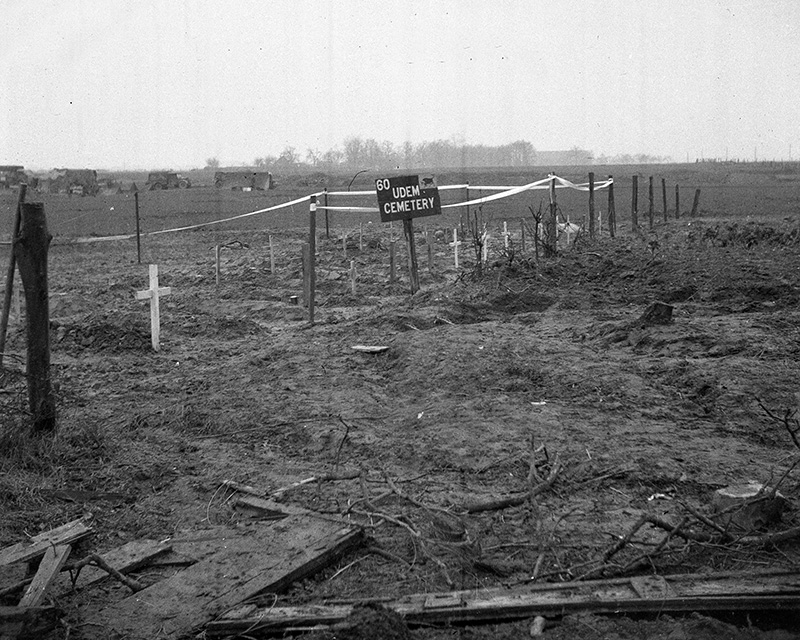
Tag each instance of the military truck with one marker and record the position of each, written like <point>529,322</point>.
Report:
<point>158,180</point>
<point>80,182</point>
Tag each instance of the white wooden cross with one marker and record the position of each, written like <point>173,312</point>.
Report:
<point>153,294</point>
<point>455,244</point>
<point>505,235</point>
<point>485,239</point>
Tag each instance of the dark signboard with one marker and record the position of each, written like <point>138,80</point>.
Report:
<point>406,197</point>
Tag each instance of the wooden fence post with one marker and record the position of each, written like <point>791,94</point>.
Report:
<point>413,271</point>
<point>306,270</point>
<point>23,188</point>
<point>312,256</point>
<point>32,248</point>
<point>696,203</point>
<point>138,231</point>
<point>325,204</point>
<point>551,229</point>
<point>392,261</point>
<point>677,202</point>
<point>612,209</point>
<point>650,210</point>
<point>635,204</point>
<point>591,204</point>
<point>664,196</point>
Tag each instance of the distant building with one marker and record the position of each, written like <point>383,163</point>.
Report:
<point>11,175</point>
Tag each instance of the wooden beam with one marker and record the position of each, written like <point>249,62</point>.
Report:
<point>54,558</point>
<point>36,547</point>
<point>640,594</point>
<point>127,558</point>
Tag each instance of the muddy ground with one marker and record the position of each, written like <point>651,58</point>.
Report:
<point>640,418</point>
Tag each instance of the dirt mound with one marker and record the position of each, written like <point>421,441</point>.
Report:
<point>102,332</point>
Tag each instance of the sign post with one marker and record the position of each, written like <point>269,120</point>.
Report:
<point>405,198</point>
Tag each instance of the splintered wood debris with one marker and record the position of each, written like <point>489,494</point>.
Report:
<point>681,593</point>
<point>227,566</point>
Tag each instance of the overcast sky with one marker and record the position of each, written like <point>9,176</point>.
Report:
<point>151,84</point>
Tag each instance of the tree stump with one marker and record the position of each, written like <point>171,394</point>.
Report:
<point>758,507</point>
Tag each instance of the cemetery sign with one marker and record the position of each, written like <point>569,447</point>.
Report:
<point>406,197</point>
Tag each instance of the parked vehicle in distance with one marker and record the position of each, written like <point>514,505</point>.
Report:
<point>244,180</point>
<point>158,180</point>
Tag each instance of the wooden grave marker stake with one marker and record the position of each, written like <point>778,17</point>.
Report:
<point>505,235</point>
<point>392,262</point>
<point>485,247</point>
<point>216,264</point>
<point>522,234</point>
<point>361,236</point>
<point>455,244</point>
<point>353,276</point>
<point>154,294</point>
<point>429,247</point>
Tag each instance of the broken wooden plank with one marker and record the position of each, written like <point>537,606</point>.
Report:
<point>272,510</point>
<point>37,545</point>
<point>28,622</point>
<point>641,594</point>
<point>54,558</point>
<point>125,559</point>
<point>265,558</point>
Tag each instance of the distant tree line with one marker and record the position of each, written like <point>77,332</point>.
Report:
<point>359,153</point>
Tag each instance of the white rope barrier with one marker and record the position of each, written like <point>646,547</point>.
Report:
<point>189,227</point>
<point>504,192</point>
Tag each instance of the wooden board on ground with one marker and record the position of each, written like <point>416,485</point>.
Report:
<point>368,348</point>
<point>773,590</point>
<point>38,544</point>
<point>54,558</point>
<point>27,622</point>
<point>124,559</point>
<point>263,558</point>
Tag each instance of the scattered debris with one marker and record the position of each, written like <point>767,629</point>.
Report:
<point>646,594</point>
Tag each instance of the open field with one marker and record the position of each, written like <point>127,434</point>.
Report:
<point>636,419</point>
